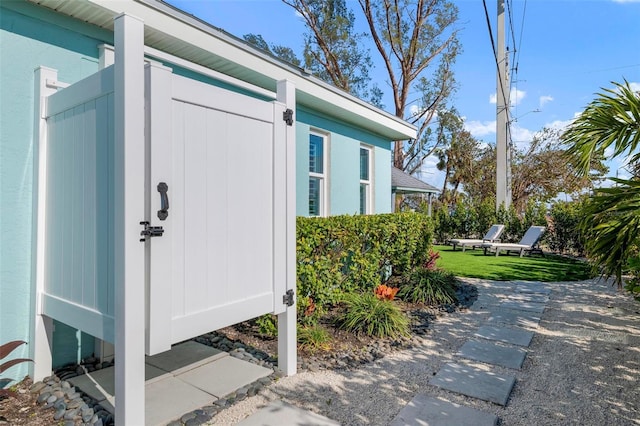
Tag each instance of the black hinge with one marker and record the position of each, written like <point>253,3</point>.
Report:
<point>150,231</point>
<point>287,116</point>
<point>288,297</point>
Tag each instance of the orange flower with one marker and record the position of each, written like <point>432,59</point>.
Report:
<point>385,292</point>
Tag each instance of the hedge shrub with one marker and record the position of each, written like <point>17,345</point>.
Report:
<point>347,254</point>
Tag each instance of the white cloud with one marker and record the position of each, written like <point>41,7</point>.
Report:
<point>521,136</point>
<point>559,124</point>
<point>635,86</point>
<point>545,99</point>
<point>480,128</point>
<point>626,1</point>
<point>516,96</point>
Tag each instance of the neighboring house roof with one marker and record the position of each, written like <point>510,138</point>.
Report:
<point>404,183</point>
<point>175,32</point>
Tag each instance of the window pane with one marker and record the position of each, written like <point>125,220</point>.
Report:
<point>363,198</point>
<point>316,154</point>
<point>364,164</point>
<point>314,196</point>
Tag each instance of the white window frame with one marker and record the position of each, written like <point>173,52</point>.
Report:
<point>367,182</point>
<point>324,176</point>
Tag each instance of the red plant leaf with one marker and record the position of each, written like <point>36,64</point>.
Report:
<point>7,348</point>
<point>8,364</point>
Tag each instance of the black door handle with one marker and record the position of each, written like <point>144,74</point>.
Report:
<point>163,213</point>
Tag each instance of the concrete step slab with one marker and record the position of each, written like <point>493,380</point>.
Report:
<point>170,398</point>
<point>505,334</point>
<point>185,356</point>
<point>224,376</point>
<point>514,318</point>
<point>279,413</point>
<point>522,306</point>
<point>476,383</point>
<point>425,410</point>
<point>532,288</point>
<point>529,297</point>
<point>493,353</point>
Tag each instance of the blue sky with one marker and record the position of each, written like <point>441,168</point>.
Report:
<point>566,51</point>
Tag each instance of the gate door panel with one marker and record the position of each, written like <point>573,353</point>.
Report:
<point>214,265</point>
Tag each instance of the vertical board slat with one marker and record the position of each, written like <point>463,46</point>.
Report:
<point>195,213</point>
<point>111,218</point>
<point>75,186</point>
<point>65,243</point>
<point>102,204</point>
<point>217,199</point>
<point>89,206</point>
<point>178,207</point>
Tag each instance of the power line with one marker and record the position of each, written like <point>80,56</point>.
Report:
<point>495,56</point>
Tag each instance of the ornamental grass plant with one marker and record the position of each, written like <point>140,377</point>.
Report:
<point>367,314</point>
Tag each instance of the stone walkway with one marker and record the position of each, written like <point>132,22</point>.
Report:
<point>502,341</point>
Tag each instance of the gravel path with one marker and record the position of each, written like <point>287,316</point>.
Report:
<point>582,367</point>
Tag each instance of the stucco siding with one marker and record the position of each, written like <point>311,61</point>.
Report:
<point>27,43</point>
<point>344,165</point>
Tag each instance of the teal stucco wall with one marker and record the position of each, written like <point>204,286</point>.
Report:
<point>27,41</point>
<point>344,165</point>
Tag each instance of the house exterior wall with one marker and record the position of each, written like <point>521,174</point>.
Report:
<point>33,36</point>
<point>28,42</point>
<point>343,170</point>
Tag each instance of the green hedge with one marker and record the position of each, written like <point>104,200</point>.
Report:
<point>345,254</point>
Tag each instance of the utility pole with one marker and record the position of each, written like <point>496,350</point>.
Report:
<point>503,149</point>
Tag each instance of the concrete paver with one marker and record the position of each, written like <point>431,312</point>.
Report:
<point>185,356</point>
<point>515,318</point>
<point>279,413</point>
<point>532,288</point>
<point>170,398</point>
<point>474,382</point>
<point>224,376</point>
<point>493,353</point>
<point>426,410</point>
<point>505,334</point>
<point>523,306</point>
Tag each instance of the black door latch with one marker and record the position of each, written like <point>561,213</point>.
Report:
<point>150,231</point>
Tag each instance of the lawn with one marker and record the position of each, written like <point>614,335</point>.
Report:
<point>473,263</point>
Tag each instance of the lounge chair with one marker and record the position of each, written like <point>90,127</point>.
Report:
<point>492,235</point>
<point>528,243</point>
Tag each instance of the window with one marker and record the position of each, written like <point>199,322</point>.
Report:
<point>317,174</point>
<point>365,180</point>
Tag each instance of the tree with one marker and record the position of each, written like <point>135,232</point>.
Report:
<point>456,153</point>
<point>612,216</point>
<point>282,52</point>
<point>333,50</point>
<point>417,44</point>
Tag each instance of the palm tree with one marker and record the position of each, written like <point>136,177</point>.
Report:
<point>612,216</point>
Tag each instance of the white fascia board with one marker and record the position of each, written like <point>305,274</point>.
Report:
<point>199,34</point>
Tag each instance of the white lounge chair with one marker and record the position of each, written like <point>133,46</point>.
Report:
<point>492,235</point>
<point>529,242</point>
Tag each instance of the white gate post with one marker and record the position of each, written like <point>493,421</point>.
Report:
<point>42,329</point>
<point>287,339</point>
<point>129,162</point>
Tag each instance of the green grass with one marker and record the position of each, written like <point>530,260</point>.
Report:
<point>474,264</point>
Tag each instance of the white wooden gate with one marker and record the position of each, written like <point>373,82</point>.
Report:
<point>221,155</point>
<point>220,258</point>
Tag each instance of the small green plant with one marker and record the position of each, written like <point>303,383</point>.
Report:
<point>430,286</point>
<point>314,338</point>
<point>267,325</point>
<point>374,317</point>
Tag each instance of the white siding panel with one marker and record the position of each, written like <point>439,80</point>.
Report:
<point>177,209</point>
<point>79,217</point>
